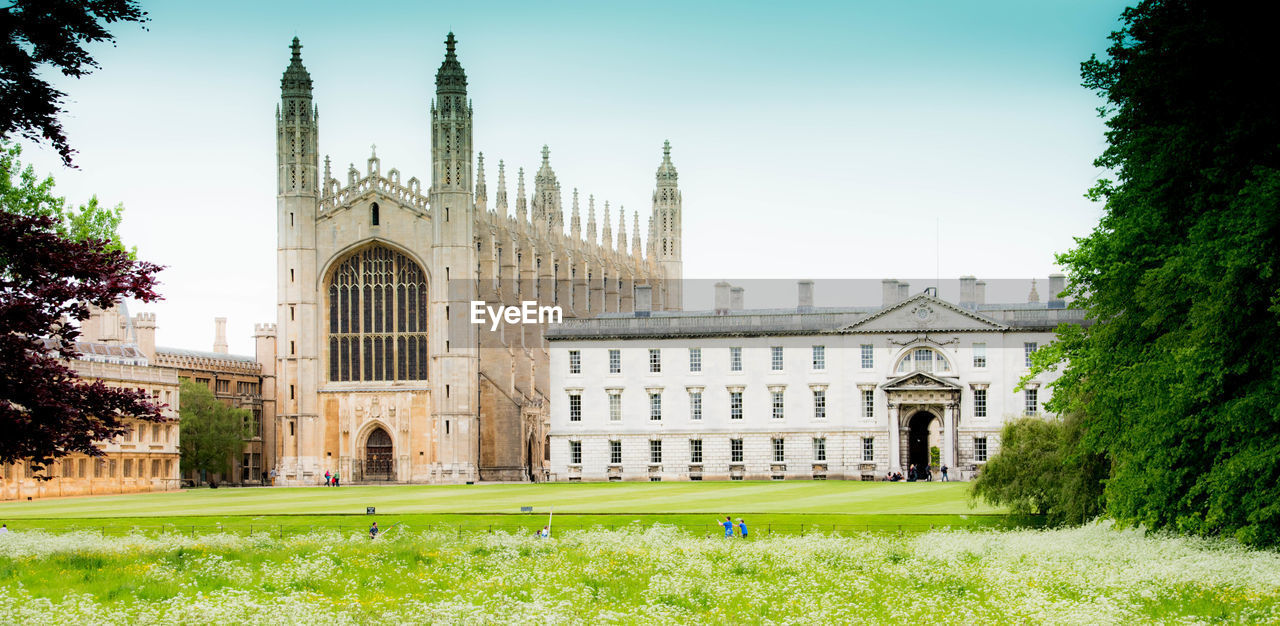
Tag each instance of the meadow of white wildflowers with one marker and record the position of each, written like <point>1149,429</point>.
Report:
<point>1094,574</point>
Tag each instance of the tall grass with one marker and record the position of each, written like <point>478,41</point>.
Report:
<point>1094,574</point>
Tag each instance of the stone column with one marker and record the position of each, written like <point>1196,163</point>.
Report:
<point>895,439</point>
<point>949,437</point>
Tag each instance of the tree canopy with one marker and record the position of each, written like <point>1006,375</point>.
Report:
<point>210,432</point>
<point>53,267</point>
<point>40,34</point>
<point>1177,378</point>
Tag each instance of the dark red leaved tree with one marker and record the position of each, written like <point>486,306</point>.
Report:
<point>46,411</point>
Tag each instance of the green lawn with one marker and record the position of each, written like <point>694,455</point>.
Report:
<point>770,507</point>
<point>799,497</point>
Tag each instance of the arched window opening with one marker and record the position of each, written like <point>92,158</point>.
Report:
<point>377,318</point>
<point>373,213</point>
<point>923,360</point>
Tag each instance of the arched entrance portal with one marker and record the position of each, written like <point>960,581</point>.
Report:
<point>925,432</point>
<point>377,456</point>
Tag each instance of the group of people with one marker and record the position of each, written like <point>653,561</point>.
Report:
<point>728,527</point>
<point>331,480</point>
<point>913,475</point>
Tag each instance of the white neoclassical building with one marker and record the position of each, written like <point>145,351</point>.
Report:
<point>799,393</point>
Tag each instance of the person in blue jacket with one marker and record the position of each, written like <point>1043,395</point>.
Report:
<point>742,528</point>
<point>728,526</point>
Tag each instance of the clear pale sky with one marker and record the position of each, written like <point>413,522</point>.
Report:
<point>813,139</point>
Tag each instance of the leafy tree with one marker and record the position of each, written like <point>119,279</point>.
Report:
<point>52,269</point>
<point>39,34</point>
<point>22,192</point>
<point>1042,469</point>
<point>210,432</point>
<point>1178,376</point>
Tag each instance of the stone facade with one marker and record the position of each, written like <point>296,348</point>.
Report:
<point>381,376</point>
<point>243,382</point>
<point>145,458</point>
<point>791,388</point>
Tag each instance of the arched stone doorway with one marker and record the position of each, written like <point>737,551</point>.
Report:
<point>924,432</point>
<point>377,456</point>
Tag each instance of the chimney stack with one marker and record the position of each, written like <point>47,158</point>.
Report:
<point>722,298</point>
<point>220,335</point>
<point>904,291</point>
<point>735,298</point>
<point>144,326</point>
<point>805,288</point>
<point>644,300</point>
<point>967,297</point>
<point>980,293</point>
<point>1057,285</point>
<point>889,292</point>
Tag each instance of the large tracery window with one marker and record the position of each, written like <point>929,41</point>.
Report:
<point>377,318</point>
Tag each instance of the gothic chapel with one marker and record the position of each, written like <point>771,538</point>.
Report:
<point>381,375</point>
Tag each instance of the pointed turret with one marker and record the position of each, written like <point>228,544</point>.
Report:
<point>522,204</point>
<point>622,230</point>
<point>575,223</point>
<point>297,129</point>
<point>606,233</point>
<point>546,213</point>
<point>1034,296</point>
<point>635,235</point>
<point>591,218</point>
<point>666,216</point>
<point>482,194</point>
<point>502,189</point>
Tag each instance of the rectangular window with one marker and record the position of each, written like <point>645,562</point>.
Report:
<point>155,468</point>
<point>779,449</point>
<point>695,450</point>
<point>222,385</point>
<point>575,407</point>
<point>735,405</point>
<point>655,361</point>
<point>868,449</point>
<point>615,407</point>
<point>155,433</point>
<point>1028,348</point>
<point>775,358</point>
<point>735,450</point>
<point>868,357</point>
<point>979,355</point>
<point>979,402</point>
<point>819,357</point>
<point>695,359</point>
<point>655,450</point>
<point>695,405</point>
<point>615,361</point>
<point>575,452</point>
<point>777,405</point>
<point>128,468</point>
<point>128,433</point>
<point>819,404</point>
<point>615,452</point>
<point>655,406</point>
<point>575,362</point>
<point>868,403</point>
<point>819,448</point>
<point>735,359</point>
<point>980,449</point>
<point>1032,401</point>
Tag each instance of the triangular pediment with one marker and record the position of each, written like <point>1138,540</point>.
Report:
<point>924,313</point>
<point>919,380</point>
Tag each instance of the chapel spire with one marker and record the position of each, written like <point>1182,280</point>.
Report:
<point>622,230</point>
<point>482,194</point>
<point>635,235</point>
<point>575,223</point>
<point>591,219</point>
<point>665,244</point>
<point>522,205</point>
<point>606,232</point>
<point>297,130</point>
<point>502,189</point>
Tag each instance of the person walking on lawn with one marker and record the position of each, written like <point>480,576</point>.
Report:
<point>728,526</point>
